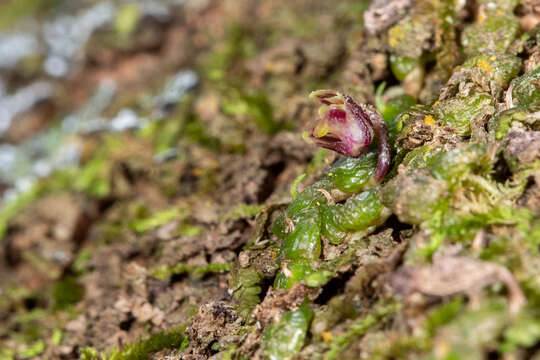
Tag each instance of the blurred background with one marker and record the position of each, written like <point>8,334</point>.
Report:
<point>74,70</point>
<point>120,119</point>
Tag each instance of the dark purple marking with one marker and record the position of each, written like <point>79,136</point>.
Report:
<point>326,95</point>
<point>383,162</point>
<point>362,118</point>
<point>374,121</point>
<point>337,115</point>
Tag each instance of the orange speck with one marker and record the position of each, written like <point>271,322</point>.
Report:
<point>429,120</point>
<point>484,65</point>
<point>326,336</point>
<point>481,17</point>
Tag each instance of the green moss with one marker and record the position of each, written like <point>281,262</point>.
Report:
<point>401,66</point>
<point>421,157</point>
<point>255,106</point>
<point>456,226</point>
<point>413,345</point>
<point>88,353</point>
<point>215,268</point>
<point>242,211</point>
<point>174,338</point>
<point>66,292</point>
<point>195,131</point>
<point>229,353</point>
<point>12,11</point>
<point>496,6</point>
<point>336,310</point>
<point>455,164</point>
<point>296,184</point>
<point>526,88</point>
<point>460,112</point>
<point>500,68</point>
<point>197,271</point>
<point>493,33</point>
<point>168,339</point>
<point>94,177</point>
<point>58,182</point>
<point>356,329</point>
<point>318,162</point>
<point>407,38</point>
<point>127,19</point>
<point>524,332</point>
<point>415,196</point>
<point>465,336</point>
<point>10,209</point>
<point>182,127</point>
<point>447,54</point>
<point>424,194</point>
<point>56,337</point>
<point>6,354</point>
<point>393,107</point>
<point>443,314</point>
<point>283,339</point>
<point>185,229</point>
<point>13,292</point>
<point>164,134</point>
<point>157,219</point>
<point>500,124</point>
<point>79,265</point>
<point>235,46</point>
<point>33,350</point>
<point>246,286</point>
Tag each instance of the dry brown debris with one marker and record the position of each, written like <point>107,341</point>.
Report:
<point>277,302</point>
<point>524,145</point>
<point>382,14</point>
<point>451,275</point>
<point>216,321</point>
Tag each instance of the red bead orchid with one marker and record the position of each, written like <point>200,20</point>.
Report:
<point>349,128</point>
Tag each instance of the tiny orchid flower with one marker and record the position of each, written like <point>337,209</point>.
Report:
<point>348,128</point>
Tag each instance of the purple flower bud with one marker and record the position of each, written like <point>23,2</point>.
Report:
<point>347,128</point>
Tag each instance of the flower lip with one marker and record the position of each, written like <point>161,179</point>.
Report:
<point>332,124</point>
<point>327,137</point>
<point>337,114</point>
